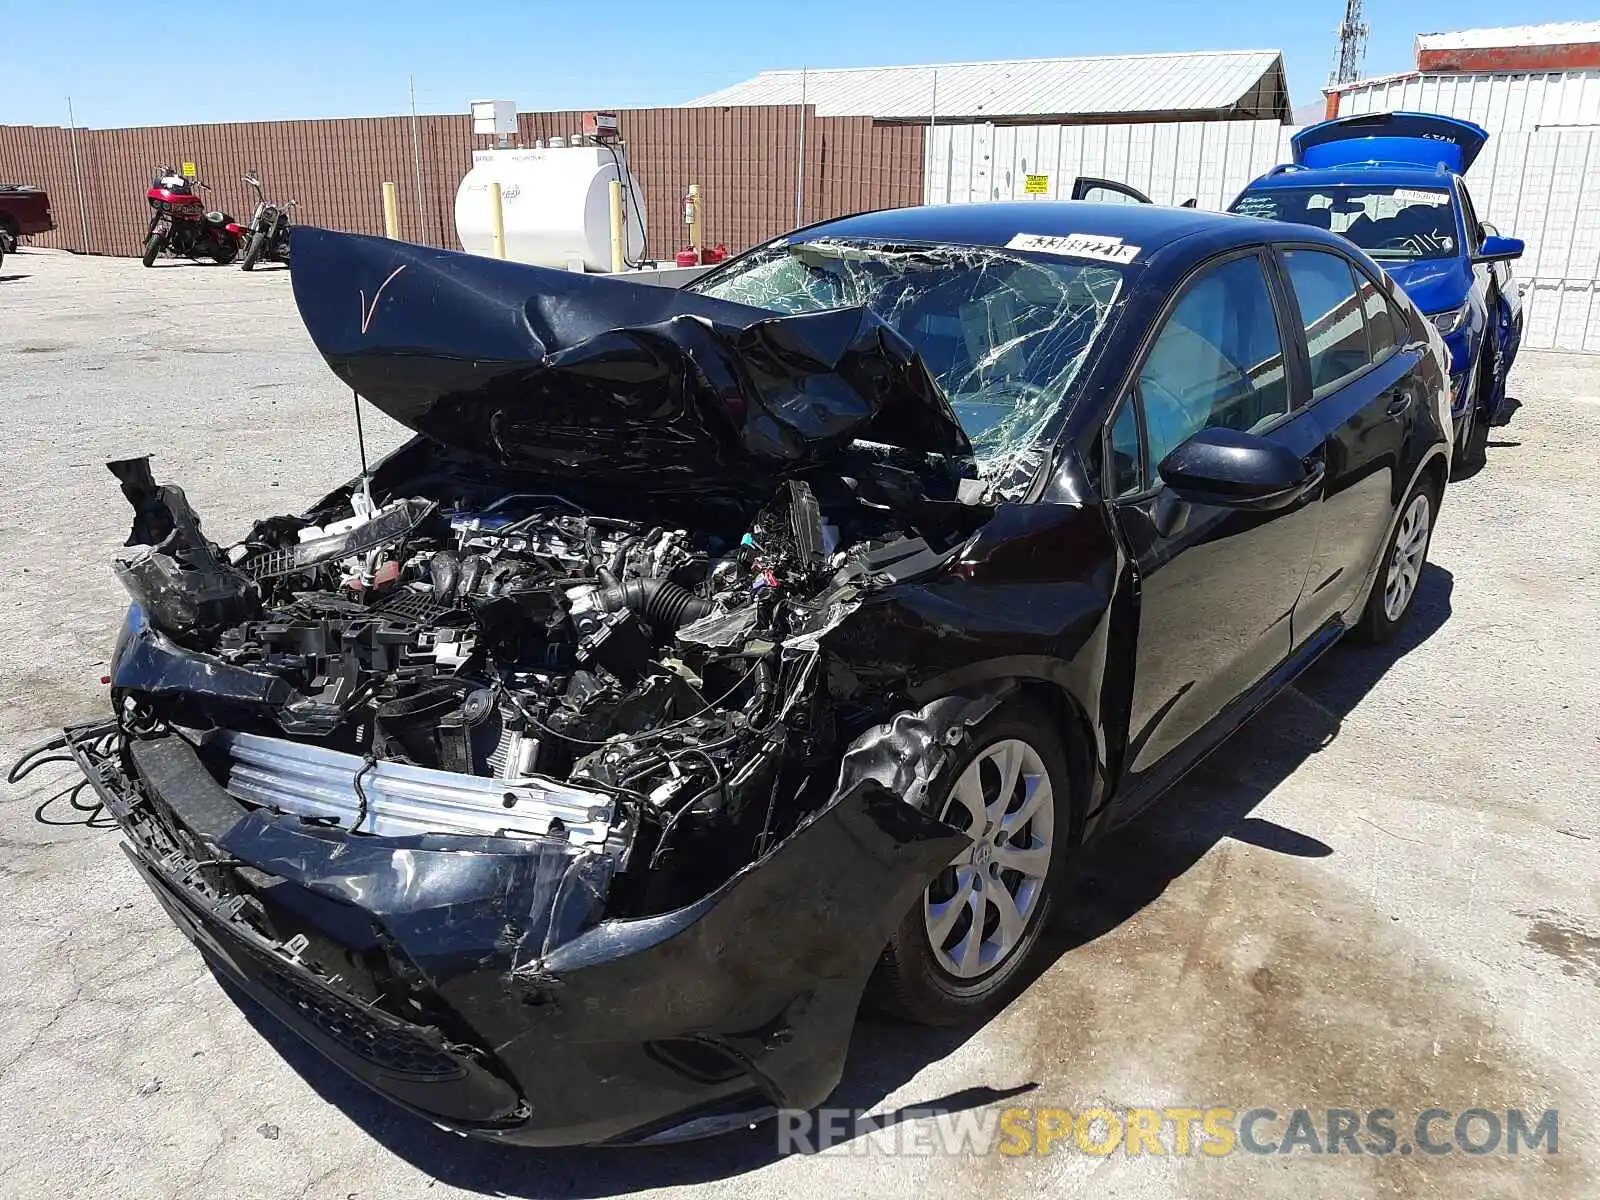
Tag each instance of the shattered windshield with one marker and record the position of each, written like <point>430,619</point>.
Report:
<point>1386,222</point>
<point>1004,335</point>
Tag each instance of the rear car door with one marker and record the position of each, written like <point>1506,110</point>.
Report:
<point>1366,404</point>
<point>1217,590</point>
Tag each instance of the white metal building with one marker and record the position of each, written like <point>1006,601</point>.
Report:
<point>1520,79</point>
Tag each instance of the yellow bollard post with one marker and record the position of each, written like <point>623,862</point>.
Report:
<point>619,253</point>
<point>497,220</point>
<point>694,226</point>
<point>391,212</point>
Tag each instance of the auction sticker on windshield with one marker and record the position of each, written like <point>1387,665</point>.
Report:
<point>1418,196</point>
<point>1077,245</point>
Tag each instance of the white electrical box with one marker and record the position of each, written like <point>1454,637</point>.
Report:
<point>494,116</point>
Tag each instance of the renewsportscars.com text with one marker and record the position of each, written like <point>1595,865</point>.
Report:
<point>1206,1131</point>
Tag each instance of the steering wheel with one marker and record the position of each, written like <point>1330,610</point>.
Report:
<point>1408,243</point>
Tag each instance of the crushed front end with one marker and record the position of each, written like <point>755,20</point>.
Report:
<point>477,796</point>
<point>552,809</point>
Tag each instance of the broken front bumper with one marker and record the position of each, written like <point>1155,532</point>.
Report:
<point>475,981</point>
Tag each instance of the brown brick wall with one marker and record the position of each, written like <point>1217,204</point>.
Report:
<point>744,160</point>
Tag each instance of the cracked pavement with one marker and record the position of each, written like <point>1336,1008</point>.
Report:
<point>1385,891</point>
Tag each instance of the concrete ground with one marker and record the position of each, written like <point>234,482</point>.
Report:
<point>1384,893</point>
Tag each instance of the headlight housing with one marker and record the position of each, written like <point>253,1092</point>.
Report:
<point>1451,319</point>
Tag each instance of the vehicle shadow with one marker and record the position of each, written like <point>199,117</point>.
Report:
<point>1121,874</point>
<point>1133,865</point>
<point>11,278</point>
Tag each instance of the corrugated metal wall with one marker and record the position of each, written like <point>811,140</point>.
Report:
<point>745,160</point>
<point>1208,161</point>
<point>1516,102</point>
<point>1543,187</point>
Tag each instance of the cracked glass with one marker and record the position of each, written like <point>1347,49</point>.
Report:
<point>1005,335</point>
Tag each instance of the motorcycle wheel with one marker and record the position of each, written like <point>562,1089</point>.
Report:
<point>254,251</point>
<point>224,251</point>
<point>152,247</point>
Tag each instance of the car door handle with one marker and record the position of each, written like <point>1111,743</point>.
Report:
<point>1399,402</point>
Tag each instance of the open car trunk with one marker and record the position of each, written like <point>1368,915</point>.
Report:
<point>1424,140</point>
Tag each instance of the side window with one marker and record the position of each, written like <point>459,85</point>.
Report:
<point>1127,458</point>
<point>1217,361</point>
<point>1382,334</point>
<point>1336,334</point>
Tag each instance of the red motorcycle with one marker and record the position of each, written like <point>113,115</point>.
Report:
<point>180,224</point>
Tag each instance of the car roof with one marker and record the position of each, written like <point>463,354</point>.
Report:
<point>1354,175</point>
<point>1151,227</point>
<point>1148,226</point>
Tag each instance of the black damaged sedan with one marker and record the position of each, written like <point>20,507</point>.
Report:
<point>712,659</point>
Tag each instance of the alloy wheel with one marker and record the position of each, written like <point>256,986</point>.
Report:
<point>979,907</point>
<point>1405,564</point>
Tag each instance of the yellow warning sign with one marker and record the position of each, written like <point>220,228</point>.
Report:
<point>193,172</point>
<point>1036,185</point>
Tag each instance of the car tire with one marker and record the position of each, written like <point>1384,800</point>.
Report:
<point>933,971</point>
<point>152,248</point>
<point>1399,578</point>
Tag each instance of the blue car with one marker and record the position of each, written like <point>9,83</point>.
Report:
<point>1391,183</point>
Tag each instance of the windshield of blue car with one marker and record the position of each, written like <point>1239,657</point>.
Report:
<point>1386,222</point>
<point>1004,334</point>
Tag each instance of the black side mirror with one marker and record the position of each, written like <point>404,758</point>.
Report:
<point>1232,469</point>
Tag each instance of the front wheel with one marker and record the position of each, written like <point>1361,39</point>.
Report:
<point>959,955</point>
<point>153,246</point>
<point>254,251</point>
<point>1394,594</point>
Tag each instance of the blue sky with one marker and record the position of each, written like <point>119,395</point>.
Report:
<point>128,63</point>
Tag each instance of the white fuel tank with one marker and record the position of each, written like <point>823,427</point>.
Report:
<point>556,205</point>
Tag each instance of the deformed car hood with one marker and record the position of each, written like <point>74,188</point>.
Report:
<point>595,377</point>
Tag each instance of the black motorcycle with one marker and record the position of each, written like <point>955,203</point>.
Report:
<point>268,231</point>
<point>180,224</point>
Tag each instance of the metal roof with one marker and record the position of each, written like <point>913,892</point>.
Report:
<point>1134,83</point>
<point>1561,33</point>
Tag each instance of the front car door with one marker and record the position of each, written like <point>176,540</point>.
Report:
<point>1483,274</point>
<point>1217,590</point>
